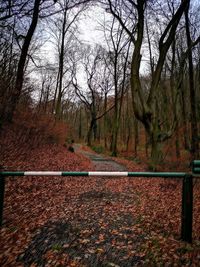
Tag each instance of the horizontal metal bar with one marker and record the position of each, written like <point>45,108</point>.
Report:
<point>102,173</point>
<point>95,173</point>
<point>14,173</point>
<point>42,173</point>
<point>157,174</point>
<point>196,170</point>
<point>75,174</point>
<point>196,163</point>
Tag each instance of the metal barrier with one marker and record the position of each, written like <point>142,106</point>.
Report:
<point>196,166</point>
<point>187,188</point>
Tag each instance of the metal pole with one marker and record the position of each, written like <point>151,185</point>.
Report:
<point>95,173</point>
<point>2,189</point>
<point>187,208</point>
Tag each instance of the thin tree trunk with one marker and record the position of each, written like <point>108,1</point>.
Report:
<point>61,66</point>
<point>80,125</point>
<point>105,122</point>
<point>55,95</point>
<point>184,116</point>
<point>174,102</point>
<point>194,127</point>
<point>115,120</point>
<point>136,137</point>
<point>41,96</point>
<point>89,135</point>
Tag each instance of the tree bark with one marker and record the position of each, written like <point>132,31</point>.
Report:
<point>61,66</point>
<point>174,98</point>
<point>146,111</point>
<point>194,127</point>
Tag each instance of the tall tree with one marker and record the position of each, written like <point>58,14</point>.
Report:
<point>92,94</point>
<point>119,59</point>
<point>145,108</point>
<point>64,33</point>
<point>15,94</point>
<point>194,125</point>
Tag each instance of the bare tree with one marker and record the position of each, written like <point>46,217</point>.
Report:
<point>92,95</point>
<point>15,95</point>
<point>194,127</point>
<point>63,32</point>
<point>119,46</point>
<point>31,12</point>
<point>145,108</point>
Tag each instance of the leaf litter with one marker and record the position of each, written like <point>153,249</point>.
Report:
<point>87,221</point>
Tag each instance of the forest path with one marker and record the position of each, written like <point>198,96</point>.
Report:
<point>99,161</point>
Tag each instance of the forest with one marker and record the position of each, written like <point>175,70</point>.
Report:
<point>137,90</point>
<point>115,78</point>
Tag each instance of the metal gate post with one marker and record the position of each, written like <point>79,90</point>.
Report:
<point>187,208</point>
<point>2,189</point>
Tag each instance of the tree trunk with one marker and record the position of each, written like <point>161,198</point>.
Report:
<point>89,136</point>
<point>105,122</point>
<point>114,139</point>
<point>146,145</point>
<point>146,111</point>
<point>136,137</point>
<point>156,152</point>
<point>95,129</point>
<point>55,95</point>
<point>116,110</point>
<point>184,111</point>
<point>80,125</point>
<point>61,66</point>
<point>194,127</point>
<point>41,97</point>
<point>174,98</point>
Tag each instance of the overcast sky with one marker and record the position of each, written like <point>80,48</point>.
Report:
<point>89,26</point>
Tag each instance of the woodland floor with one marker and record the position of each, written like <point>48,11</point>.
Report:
<point>76,221</point>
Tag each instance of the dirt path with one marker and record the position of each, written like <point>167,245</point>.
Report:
<point>100,162</point>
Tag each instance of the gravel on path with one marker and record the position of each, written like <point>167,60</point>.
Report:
<point>99,161</point>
